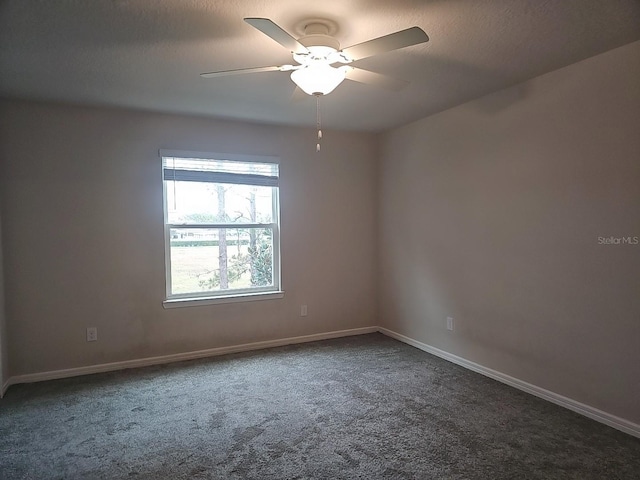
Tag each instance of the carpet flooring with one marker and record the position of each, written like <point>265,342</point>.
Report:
<point>365,407</point>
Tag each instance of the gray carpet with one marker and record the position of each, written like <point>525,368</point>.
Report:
<point>363,407</point>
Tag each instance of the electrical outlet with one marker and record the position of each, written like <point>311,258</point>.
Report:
<point>303,310</point>
<point>92,334</point>
<point>450,323</point>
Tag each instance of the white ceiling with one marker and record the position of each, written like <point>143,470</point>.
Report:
<point>148,53</point>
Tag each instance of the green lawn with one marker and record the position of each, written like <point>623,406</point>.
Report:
<point>190,265</point>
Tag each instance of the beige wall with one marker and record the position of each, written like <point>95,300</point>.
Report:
<point>83,235</point>
<point>490,213</point>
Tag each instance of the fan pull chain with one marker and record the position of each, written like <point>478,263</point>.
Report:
<point>318,122</point>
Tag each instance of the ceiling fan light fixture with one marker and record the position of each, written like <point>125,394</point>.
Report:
<point>318,79</point>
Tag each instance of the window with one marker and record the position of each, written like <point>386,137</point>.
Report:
<point>221,226</point>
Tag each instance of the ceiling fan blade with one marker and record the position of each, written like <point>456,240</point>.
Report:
<point>242,71</point>
<point>393,41</point>
<point>272,30</point>
<point>377,79</point>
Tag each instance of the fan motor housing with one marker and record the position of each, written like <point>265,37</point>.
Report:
<point>320,41</point>
<point>317,34</point>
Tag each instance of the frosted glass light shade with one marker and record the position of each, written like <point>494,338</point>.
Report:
<point>318,79</point>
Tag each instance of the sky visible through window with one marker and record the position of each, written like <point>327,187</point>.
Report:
<point>196,202</point>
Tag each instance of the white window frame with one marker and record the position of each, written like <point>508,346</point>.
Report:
<point>230,296</point>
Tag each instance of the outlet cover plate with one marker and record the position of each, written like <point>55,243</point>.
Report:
<point>92,334</point>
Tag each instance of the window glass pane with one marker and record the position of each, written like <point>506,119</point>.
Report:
<point>202,203</point>
<point>214,260</point>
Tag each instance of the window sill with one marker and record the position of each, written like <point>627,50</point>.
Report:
<point>198,302</point>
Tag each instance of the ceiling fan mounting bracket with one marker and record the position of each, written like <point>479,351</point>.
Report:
<point>310,26</point>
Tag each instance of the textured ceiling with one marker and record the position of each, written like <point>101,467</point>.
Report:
<point>148,54</point>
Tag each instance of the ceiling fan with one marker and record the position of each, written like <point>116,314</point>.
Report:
<point>316,53</point>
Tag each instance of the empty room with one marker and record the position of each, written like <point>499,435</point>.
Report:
<point>330,240</point>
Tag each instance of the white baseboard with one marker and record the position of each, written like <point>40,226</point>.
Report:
<point>586,410</point>
<point>593,413</point>
<point>178,357</point>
